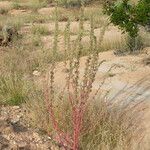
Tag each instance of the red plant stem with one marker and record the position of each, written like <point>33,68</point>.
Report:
<point>61,135</point>
<point>77,125</point>
<point>78,109</point>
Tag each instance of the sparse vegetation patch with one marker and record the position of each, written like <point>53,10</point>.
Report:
<point>68,70</point>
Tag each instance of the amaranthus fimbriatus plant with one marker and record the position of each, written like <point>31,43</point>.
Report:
<point>56,33</point>
<point>67,43</point>
<point>78,87</point>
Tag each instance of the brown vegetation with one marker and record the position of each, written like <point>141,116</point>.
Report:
<point>80,102</point>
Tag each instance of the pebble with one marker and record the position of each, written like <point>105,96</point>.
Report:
<point>27,139</point>
<point>36,73</point>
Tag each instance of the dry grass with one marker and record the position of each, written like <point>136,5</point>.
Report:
<point>40,30</point>
<point>74,117</point>
<point>106,125</point>
<point>13,89</point>
<point>88,122</point>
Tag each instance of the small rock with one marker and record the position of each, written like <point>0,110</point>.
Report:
<point>16,107</point>
<point>15,120</point>
<point>36,73</point>
<point>49,137</point>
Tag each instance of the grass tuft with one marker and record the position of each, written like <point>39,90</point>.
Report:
<point>40,30</point>
<point>12,89</point>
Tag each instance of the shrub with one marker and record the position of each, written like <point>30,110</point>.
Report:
<point>134,44</point>
<point>128,17</point>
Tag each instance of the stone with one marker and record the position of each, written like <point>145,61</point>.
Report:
<point>36,73</point>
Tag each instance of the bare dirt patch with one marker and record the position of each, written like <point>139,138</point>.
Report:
<point>127,71</point>
<point>15,133</point>
<point>5,4</point>
<point>19,12</point>
<point>47,11</point>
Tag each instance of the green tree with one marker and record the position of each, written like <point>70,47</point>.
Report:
<point>128,17</point>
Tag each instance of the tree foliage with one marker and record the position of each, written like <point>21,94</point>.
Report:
<point>128,16</point>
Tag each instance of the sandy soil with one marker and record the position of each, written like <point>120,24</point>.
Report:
<point>130,75</point>
<point>5,4</point>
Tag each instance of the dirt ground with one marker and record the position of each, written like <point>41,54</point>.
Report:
<point>130,75</point>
